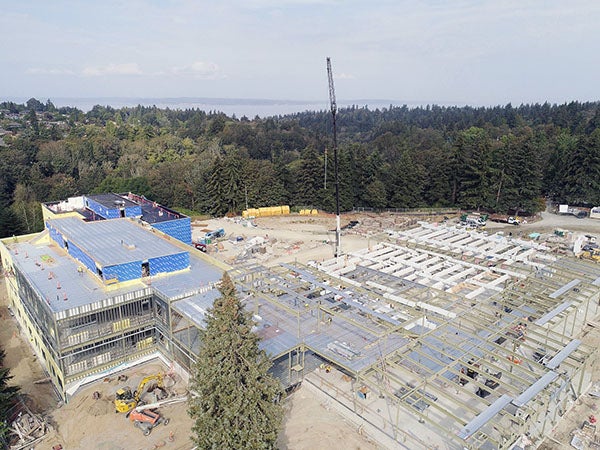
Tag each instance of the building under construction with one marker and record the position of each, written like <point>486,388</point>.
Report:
<point>435,337</point>
<point>438,337</point>
<point>96,290</point>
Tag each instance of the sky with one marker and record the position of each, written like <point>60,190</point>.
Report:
<point>461,52</point>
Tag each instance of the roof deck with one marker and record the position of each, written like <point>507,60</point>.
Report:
<point>112,242</point>
<point>66,285</point>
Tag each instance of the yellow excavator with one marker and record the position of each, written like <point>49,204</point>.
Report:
<point>125,400</point>
<point>592,253</point>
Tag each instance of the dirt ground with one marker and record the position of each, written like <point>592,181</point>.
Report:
<point>88,423</point>
<point>23,364</point>
<point>286,239</point>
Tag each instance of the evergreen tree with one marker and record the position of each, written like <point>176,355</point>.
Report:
<point>33,122</point>
<point>407,180</point>
<point>8,396</point>
<point>555,174</point>
<point>234,398</point>
<point>376,195</point>
<point>373,168</point>
<point>471,169</point>
<point>582,171</point>
<point>10,223</point>
<point>214,188</point>
<point>346,180</point>
<point>309,178</point>
<point>233,185</point>
<point>528,174</point>
<point>262,187</point>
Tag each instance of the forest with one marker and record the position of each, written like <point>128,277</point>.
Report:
<point>500,159</point>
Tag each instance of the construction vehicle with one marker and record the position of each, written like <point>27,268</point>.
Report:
<point>146,420</point>
<point>215,234</point>
<point>513,220</point>
<point>125,400</point>
<point>474,220</point>
<point>591,253</point>
<point>200,245</point>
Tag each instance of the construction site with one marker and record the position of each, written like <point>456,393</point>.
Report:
<point>422,333</point>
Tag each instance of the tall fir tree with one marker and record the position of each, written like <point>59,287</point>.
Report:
<point>309,178</point>
<point>471,169</point>
<point>234,397</point>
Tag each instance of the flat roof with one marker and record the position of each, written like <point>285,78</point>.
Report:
<point>155,214</point>
<point>194,308</point>
<point>115,241</point>
<point>65,284</point>
<point>201,276</point>
<point>112,201</point>
<point>55,275</point>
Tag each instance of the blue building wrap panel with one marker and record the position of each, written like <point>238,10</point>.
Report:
<point>133,211</point>
<point>82,257</point>
<point>180,229</point>
<point>123,272</point>
<point>56,236</point>
<point>170,263</point>
<point>113,214</point>
<point>101,210</point>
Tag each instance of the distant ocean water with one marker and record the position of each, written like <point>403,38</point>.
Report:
<point>240,107</point>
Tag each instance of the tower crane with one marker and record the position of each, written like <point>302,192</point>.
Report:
<point>338,232</point>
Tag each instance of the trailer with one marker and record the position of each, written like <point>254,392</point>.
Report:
<point>569,211</point>
<point>505,219</point>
